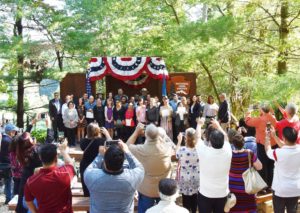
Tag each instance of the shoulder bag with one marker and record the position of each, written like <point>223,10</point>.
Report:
<point>252,180</point>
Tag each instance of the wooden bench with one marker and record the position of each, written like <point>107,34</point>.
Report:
<point>78,203</point>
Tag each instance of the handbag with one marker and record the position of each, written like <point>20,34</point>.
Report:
<point>252,180</point>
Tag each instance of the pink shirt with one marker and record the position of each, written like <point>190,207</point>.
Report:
<point>141,114</point>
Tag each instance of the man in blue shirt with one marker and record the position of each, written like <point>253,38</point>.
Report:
<point>174,102</point>
<point>89,107</point>
<point>112,183</point>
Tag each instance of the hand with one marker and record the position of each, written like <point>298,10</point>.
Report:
<point>200,121</point>
<point>102,150</point>
<point>123,146</point>
<point>179,137</point>
<point>104,131</point>
<point>215,124</point>
<point>63,147</point>
<point>140,129</point>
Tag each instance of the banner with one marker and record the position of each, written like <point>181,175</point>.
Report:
<point>126,68</point>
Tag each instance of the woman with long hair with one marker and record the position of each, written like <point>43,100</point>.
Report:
<point>130,121</point>
<point>166,117</point>
<point>119,120</point>
<point>27,156</point>
<point>90,146</point>
<point>188,178</point>
<point>81,119</point>
<point>108,114</point>
<point>194,112</point>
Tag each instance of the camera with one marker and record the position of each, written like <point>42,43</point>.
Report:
<point>111,143</point>
<point>268,126</point>
<point>43,115</point>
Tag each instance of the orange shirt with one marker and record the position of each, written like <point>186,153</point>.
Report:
<point>260,124</point>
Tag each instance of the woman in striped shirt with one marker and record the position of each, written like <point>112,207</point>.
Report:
<point>239,164</point>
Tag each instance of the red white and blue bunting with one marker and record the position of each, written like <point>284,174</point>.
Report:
<point>127,68</point>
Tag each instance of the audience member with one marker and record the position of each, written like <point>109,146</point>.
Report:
<point>214,180</point>
<point>291,120</point>
<point>90,146</point>
<point>156,159</point>
<point>112,184</point>
<point>7,138</point>
<point>54,180</point>
<point>286,187</point>
<point>188,177</point>
<point>168,194</point>
<point>260,124</point>
<point>239,164</point>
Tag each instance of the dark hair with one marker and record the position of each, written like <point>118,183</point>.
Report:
<point>209,99</point>
<point>231,133</point>
<point>290,134</point>
<point>114,158</point>
<point>23,147</point>
<point>70,102</point>
<point>238,141</point>
<point>208,131</point>
<point>250,130</point>
<point>167,186</point>
<point>48,153</point>
<point>216,139</point>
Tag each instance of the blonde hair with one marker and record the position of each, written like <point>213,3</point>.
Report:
<point>190,134</point>
<point>93,130</point>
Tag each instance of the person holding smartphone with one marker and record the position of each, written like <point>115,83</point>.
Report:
<point>260,125</point>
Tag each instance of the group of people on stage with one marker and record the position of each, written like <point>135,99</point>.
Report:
<point>211,156</point>
<point>120,114</point>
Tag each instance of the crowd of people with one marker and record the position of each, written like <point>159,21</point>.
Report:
<point>128,147</point>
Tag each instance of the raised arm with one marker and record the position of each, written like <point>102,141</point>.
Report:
<point>137,132</point>
<point>200,123</point>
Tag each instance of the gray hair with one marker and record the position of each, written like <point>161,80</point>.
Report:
<point>151,132</point>
<point>292,109</point>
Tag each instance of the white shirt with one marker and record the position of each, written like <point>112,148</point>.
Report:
<point>214,165</point>
<point>167,207</point>
<point>286,179</point>
<point>210,110</point>
<point>63,108</point>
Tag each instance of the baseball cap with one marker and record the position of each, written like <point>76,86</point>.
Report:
<point>10,127</point>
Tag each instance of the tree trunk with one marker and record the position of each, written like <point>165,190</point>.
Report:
<point>211,80</point>
<point>18,33</point>
<point>283,35</point>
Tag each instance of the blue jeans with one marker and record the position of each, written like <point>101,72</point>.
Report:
<point>7,189</point>
<point>146,203</point>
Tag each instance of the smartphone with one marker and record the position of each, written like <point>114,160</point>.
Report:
<point>268,126</point>
<point>183,134</point>
<point>111,143</point>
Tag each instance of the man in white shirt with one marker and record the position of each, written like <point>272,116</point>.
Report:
<point>168,194</point>
<point>214,162</point>
<point>286,179</point>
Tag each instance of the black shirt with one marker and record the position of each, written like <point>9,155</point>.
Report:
<point>223,113</point>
